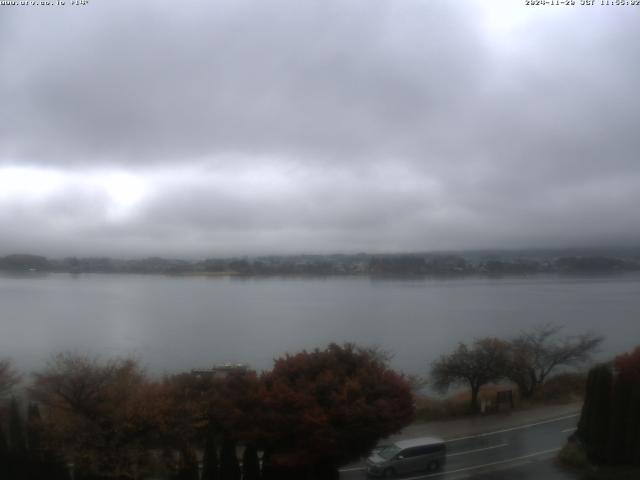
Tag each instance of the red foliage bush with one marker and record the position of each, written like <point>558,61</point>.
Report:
<point>329,407</point>
<point>628,365</point>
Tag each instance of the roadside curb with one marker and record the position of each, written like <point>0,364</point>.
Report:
<point>473,426</point>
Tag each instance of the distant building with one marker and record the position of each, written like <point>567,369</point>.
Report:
<point>220,371</point>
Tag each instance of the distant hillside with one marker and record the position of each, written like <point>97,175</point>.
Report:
<point>24,262</point>
<point>466,263</point>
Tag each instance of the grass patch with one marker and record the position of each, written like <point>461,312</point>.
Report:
<point>560,389</point>
<point>573,456</point>
<point>429,408</point>
<point>613,473</point>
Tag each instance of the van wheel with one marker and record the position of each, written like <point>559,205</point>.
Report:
<point>388,473</point>
<point>433,466</point>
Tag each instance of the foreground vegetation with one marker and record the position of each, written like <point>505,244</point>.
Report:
<point>607,441</point>
<point>98,419</point>
<point>312,412</point>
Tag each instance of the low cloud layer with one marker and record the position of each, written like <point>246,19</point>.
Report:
<point>134,128</point>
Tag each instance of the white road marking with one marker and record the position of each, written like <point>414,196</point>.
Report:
<point>476,467</point>
<point>521,427</point>
<point>568,430</point>
<point>354,469</point>
<point>466,452</point>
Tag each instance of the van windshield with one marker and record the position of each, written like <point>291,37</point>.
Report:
<point>388,452</point>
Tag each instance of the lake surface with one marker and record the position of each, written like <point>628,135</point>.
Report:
<point>178,323</point>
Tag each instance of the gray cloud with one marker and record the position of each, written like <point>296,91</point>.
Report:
<point>340,80</point>
<point>238,126</point>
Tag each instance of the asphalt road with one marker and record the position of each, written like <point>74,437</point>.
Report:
<point>523,452</point>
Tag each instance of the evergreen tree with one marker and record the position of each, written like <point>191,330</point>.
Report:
<point>601,419</point>
<point>620,409</point>
<point>267,469</point>
<point>34,428</point>
<point>189,466</point>
<point>36,455</point>
<point>632,438</point>
<point>593,427</point>
<point>17,443</point>
<point>229,467</point>
<point>250,463</point>
<point>584,424</point>
<point>210,457</point>
<point>17,439</point>
<point>609,424</point>
<point>4,455</point>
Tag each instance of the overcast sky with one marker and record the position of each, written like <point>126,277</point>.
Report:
<point>227,127</point>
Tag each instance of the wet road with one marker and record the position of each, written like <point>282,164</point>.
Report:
<point>520,452</point>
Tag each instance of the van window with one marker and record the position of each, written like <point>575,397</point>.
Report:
<point>433,449</point>
<point>423,450</point>
<point>412,452</point>
<point>388,452</point>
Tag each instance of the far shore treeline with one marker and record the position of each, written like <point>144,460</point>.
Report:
<point>571,261</point>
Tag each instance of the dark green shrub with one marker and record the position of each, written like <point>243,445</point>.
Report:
<point>229,467</point>
<point>250,464</point>
<point>210,457</point>
<point>573,456</point>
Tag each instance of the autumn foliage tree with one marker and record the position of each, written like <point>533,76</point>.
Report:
<point>99,413</point>
<point>628,366</point>
<point>236,405</point>
<point>185,410</point>
<point>324,408</point>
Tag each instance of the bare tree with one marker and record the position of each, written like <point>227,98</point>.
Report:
<point>98,412</point>
<point>379,353</point>
<point>536,353</point>
<point>9,377</point>
<point>484,362</point>
<point>80,384</point>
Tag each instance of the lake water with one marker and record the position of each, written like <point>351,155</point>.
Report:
<point>178,323</point>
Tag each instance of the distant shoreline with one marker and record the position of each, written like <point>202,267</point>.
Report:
<point>392,265</point>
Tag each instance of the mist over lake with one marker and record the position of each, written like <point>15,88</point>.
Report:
<point>179,323</point>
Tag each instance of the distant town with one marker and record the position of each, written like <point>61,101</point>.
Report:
<point>572,261</point>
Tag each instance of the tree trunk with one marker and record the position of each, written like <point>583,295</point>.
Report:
<point>266,472</point>
<point>210,457</point>
<point>527,386</point>
<point>4,456</point>
<point>229,467</point>
<point>250,463</point>
<point>474,407</point>
<point>593,427</point>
